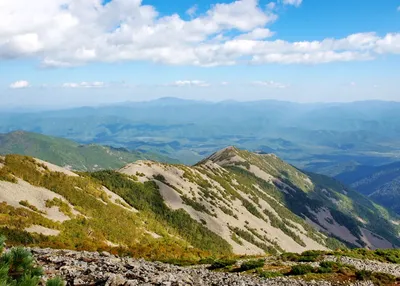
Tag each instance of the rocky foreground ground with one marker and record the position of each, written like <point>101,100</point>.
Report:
<point>92,268</point>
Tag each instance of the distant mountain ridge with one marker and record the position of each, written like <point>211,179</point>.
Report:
<point>69,154</point>
<point>312,136</point>
<point>379,183</point>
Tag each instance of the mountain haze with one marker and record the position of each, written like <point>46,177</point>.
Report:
<point>312,136</point>
<point>69,154</point>
<point>379,183</point>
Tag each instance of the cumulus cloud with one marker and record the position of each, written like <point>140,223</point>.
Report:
<point>192,10</point>
<point>66,33</point>
<point>256,34</point>
<point>84,84</point>
<point>270,83</point>
<point>20,84</point>
<point>191,83</point>
<point>296,3</point>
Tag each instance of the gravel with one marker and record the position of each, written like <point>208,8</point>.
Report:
<point>92,268</point>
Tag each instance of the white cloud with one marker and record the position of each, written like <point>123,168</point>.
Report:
<point>191,83</point>
<point>224,83</point>
<point>192,10</point>
<point>296,3</point>
<point>271,6</point>
<point>270,83</point>
<point>256,34</point>
<point>84,84</point>
<point>65,33</point>
<point>20,84</point>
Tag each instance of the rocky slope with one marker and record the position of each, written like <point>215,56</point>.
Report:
<point>259,203</point>
<point>92,268</point>
<point>42,204</point>
<point>234,202</point>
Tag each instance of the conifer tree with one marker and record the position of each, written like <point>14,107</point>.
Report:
<point>17,268</point>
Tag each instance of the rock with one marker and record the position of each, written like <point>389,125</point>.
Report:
<point>116,280</point>
<point>91,268</point>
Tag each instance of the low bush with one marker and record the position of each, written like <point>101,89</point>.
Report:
<point>252,264</point>
<point>301,269</point>
<point>17,268</point>
<point>222,263</point>
<point>377,278</point>
<point>310,256</point>
<point>289,256</point>
<point>307,256</point>
<point>269,274</point>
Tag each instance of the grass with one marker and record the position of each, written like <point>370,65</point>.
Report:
<point>101,221</point>
<point>307,256</point>
<point>251,264</point>
<point>383,255</point>
<point>30,206</point>
<point>221,264</point>
<point>147,198</point>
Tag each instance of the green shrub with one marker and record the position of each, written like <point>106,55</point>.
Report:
<point>30,206</point>
<point>377,278</point>
<point>301,269</point>
<point>17,268</point>
<point>269,274</point>
<point>222,263</point>
<point>290,256</point>
<point>310,256</point>
<point>252,264</point>
<point>55,282</point>
<point>159,177</point>
<point>307,256</point>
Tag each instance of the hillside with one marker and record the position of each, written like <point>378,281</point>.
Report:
<point>379,183</point>
<point>69,154</point>
<point>234,202</point>
<point>48,206</point>
<point>258,203</point>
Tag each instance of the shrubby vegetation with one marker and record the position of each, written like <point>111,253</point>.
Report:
<point>379,279</point>
<point>100,220</point>
<point>251,264</point>
<point>196,205</point>
<point>306,256</point>
<point>147,198</point>
<point>62,206</point>
<point>248,236</point>
<point>383,255</point>
<point>17,268</point>
<point>222,263</point>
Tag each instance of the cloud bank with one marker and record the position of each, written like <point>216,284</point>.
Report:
<point>65,33</point>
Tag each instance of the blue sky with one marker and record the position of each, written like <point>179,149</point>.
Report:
<point>75,52</point>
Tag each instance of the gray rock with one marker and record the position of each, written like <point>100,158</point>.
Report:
<point>91,268</point>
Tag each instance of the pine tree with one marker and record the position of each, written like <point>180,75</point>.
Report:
<point>17,268</point>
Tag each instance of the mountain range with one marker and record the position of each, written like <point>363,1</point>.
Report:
<point>318,137</point>
<point>232,202</point>
<point>379,183</point>
<point>71,155</point>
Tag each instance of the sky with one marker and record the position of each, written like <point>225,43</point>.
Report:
<point>61,53</point>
